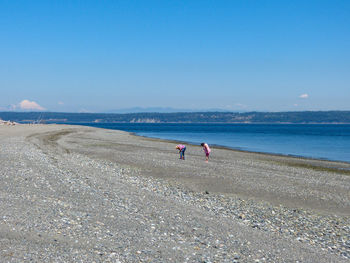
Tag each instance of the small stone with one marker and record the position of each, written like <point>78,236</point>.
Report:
<point>241,216</point>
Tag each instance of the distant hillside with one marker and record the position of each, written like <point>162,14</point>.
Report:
<point>181,117</point>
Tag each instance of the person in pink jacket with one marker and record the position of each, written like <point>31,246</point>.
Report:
<point>206,150</point>
<point>182,149</point>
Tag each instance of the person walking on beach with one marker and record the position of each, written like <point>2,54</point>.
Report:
<point>206,150</point>
<point>182,149</point>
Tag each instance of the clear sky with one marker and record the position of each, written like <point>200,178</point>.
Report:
<point>98,56</point>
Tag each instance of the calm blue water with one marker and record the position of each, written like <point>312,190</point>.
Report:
<point>317,141</point>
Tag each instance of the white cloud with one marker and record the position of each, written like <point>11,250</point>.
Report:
<point>304,96</point>
<point>296,105</point>
<point>30,105</point>
<point>60,103</point>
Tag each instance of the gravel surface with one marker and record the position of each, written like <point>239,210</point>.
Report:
<point>78,194</point>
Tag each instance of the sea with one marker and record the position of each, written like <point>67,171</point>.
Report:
<point>318,141</point>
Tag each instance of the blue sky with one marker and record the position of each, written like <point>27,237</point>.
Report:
<point>98,56</point>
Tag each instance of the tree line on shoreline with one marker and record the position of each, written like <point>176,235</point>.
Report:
<point>297,117</point>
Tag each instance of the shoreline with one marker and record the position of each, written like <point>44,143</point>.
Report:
<point>319,164</point>
<point>233,148</point>
<point>111,195</point>
<point>238,149</point>
<point>229,123</point>
<point>217,146</point>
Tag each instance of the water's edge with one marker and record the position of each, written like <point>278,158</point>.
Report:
<point>218,146</point>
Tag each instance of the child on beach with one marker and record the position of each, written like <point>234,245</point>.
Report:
<point>182,149</point>
<point>206,150</point>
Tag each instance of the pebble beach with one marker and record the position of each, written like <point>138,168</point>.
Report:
<point>82,194</point>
